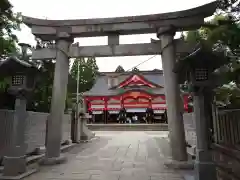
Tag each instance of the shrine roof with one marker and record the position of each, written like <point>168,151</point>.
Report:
<point>101,87</point>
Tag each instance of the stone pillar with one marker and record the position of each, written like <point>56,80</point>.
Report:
<point>15,160</point>
<point>59,93</point>
<point>81,112</point>
<point>204,166</point>
<point>172,92</point>
<point>74,127</point>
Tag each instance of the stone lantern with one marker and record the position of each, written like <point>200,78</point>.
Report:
<point>197,69</point>
<point>81,107</point>
<point>85,133</point>
<point>21,79</point>
<point>21,73</point>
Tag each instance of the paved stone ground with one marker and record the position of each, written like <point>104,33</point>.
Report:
<point>115,156</point>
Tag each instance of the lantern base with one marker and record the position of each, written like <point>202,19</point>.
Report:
<point>204,166</point>
<point>13,166</point>
<point>205,170</point>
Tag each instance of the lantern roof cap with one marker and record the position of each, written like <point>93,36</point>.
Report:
<point>12,64</point>
<point>24,44</point>
<point>201,57</point>
<point>14,58</point>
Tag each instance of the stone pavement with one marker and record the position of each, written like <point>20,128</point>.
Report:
<point>115,156</point>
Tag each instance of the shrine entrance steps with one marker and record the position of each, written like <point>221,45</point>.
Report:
<point>128,127</point>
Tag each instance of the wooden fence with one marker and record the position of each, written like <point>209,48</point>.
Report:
<point>227,127</point>
<point>226,146</point>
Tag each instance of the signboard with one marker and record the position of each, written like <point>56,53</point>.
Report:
<point>158,106</point>
<point>159,111</point>
<point>99,106</point>
<point>136,105</point>
<point>114,106</point>
<point>97,112</point>
<point>113,112</point>
<point>136,110</point>
<point>136,94</point>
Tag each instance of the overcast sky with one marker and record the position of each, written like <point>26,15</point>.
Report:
<point>81,9</point>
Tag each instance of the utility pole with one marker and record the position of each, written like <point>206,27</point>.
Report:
<point>78,74</point>
<point>76,128</point>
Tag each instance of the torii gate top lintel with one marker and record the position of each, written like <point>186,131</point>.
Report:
<point>182,20</point>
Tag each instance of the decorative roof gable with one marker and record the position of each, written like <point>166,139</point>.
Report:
<point>102,89</point>
<point>136,80</point>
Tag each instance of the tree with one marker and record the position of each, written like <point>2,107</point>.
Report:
<point>8,40</point>
<point>230,7</point>
<point>42,95</point>
<point>120,69</point>
<point>87,73</point>
<point>92,65</point>
<point>135,69</point>
<point>222,34</point>
<point>8,23</point>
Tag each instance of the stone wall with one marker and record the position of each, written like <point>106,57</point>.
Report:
<point>36,128</point>
<point>226,146</point>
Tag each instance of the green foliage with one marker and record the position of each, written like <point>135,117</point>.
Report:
<point>230,7</point>
<point>222,33</point>
<point>228,95</point>
<point>4,82</point>
<point>8,23</point>
<point>87,73</point>
<point>42,95</point>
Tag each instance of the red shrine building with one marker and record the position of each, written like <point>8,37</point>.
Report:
<point>134,91</point>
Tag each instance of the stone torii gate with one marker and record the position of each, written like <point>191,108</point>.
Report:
<point>164,25</point>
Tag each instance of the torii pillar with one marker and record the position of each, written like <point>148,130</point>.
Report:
<point>59,93</point>
<point>172,93</point>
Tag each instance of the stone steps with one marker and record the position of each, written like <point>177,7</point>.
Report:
<point>128,127</point>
